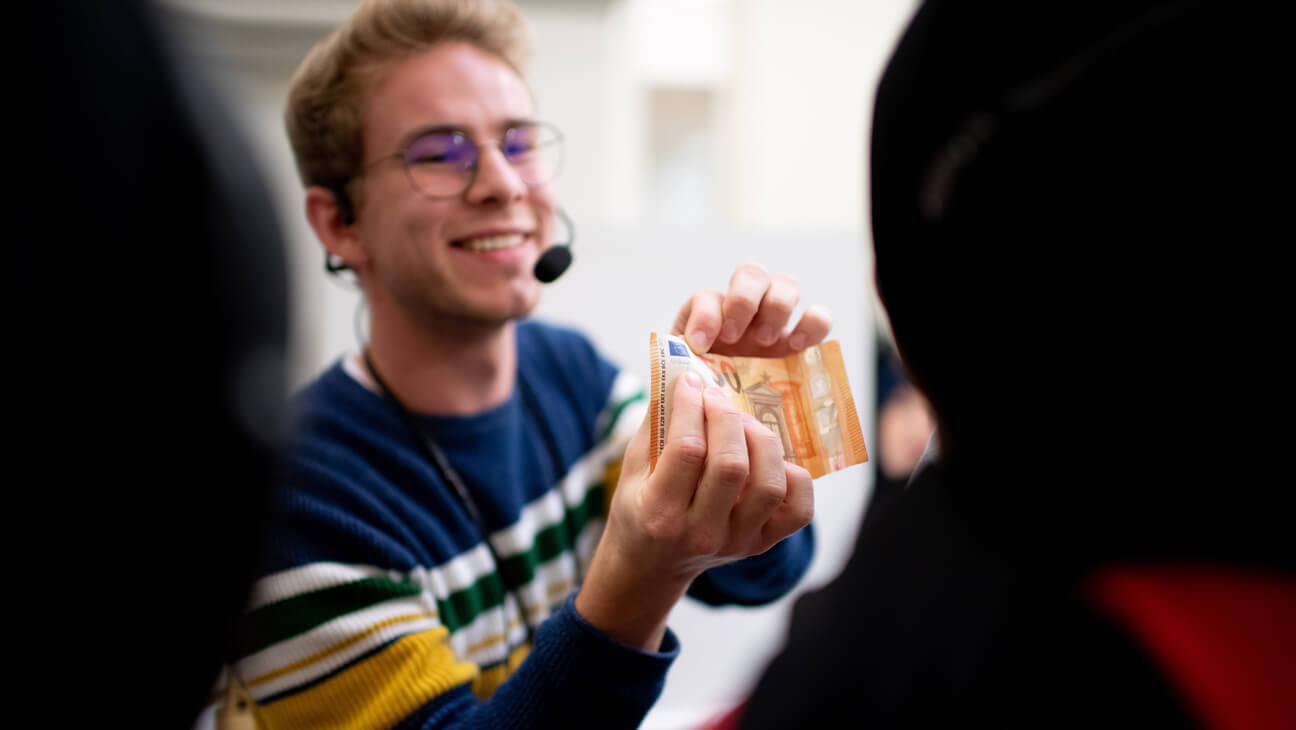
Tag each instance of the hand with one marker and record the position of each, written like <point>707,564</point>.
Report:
<point>720,492</point>
<point>751,318</point>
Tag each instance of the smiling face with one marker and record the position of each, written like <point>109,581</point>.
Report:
<point>466,259</point>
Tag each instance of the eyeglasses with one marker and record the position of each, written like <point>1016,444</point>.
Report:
<point>442,163</point>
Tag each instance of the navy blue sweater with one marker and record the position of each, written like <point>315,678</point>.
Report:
<point>381,605</point>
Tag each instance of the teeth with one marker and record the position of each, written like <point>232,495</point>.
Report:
<point>493,243</point>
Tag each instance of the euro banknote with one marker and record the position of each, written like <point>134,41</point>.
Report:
<point>804,399</point>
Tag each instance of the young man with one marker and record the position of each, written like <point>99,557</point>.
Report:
<point>448,548</point>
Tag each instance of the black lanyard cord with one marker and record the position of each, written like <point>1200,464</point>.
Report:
<point>435,456</point>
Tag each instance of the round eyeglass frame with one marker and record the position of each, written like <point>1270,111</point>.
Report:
<point>469,175</point>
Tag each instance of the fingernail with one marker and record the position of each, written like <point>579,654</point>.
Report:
<point>765,334</point>
<point>698,340</point>
<point>750,419</point>
<point>797,342</point>
<point>693,380</point>
<point>730,332</point>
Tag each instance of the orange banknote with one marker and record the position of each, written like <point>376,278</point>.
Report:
<point>803,398</point>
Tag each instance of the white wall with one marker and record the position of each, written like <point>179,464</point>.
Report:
<point>804,89</point>
<point>758,107</point>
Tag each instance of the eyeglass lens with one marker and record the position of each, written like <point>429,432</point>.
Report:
<point>443,163</point>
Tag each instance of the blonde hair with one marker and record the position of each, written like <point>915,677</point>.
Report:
<point>324,115</point>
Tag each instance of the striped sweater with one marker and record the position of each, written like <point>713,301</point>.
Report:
<point>380,605</point>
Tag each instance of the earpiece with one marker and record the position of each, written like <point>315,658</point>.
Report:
<point>346,212</point>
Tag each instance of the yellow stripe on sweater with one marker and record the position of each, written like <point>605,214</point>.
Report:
<point>491,640</point>
<point>380,691</point>
<point>340,646</point>
<point>490,679</point>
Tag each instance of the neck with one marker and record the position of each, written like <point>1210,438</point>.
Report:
<point>453,372</point>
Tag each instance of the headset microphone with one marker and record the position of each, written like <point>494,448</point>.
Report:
<point>555,260</point>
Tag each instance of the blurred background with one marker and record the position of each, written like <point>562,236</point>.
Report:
<point>700,134</point>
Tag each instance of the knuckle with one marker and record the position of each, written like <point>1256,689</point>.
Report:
<point>802,510</point>
<point>729,467</point>
<point>780,301</point>
<point>777,307</point>
<point>741,305</point>
<point>770,491</point>
<point>662,527</point>
<point>690,450</point>
<point>703,542</point>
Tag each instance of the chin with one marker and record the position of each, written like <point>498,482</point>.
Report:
<point>520,306</point>
<point>525,308</point>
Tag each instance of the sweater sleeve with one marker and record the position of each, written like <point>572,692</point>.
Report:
<point>576,677</point>
<point>350,644</point>
<point>760,579</point>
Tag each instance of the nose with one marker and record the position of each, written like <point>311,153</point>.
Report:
<point>495,180</point>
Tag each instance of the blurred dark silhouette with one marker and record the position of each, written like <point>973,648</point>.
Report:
<point>146,291</point>
<point>1075,231</point>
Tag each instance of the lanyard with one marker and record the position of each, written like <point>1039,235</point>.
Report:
<point>437,458</point>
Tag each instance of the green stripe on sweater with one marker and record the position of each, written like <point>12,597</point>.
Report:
<point>463,606</point>
<point>520,568</point>
<point>293,616</point>
<point>616,414</point>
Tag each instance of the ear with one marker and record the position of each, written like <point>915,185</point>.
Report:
<point>338,236</point>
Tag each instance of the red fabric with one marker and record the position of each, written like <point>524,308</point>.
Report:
<point>1225,639</point>
<point>725,721</point>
